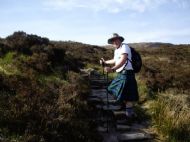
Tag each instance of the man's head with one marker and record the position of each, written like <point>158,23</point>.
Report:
<point>116,40</point>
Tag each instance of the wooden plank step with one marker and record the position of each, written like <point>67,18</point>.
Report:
<point>111,107</point>
<point>99,106</point>
<point>133,136</point>
<point>96,91</point>
<point>101,129</point>
<point>122,122</point>
<point>121,127</point>
<point>119,113</point>
<point>94,100</point>
<point>97,87</point>
<point>111,101</point>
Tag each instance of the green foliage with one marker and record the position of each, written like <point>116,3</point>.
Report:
<point>7,63</point>
<point>171,117</point>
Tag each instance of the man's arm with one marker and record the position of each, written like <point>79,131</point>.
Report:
<point>102,61</point>
<point>112,61</point>
<point>121,62</point>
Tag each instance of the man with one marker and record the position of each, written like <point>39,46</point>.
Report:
<point>124,86</point>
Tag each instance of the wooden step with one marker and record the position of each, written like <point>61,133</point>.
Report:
<point>133,136</point>
<point>102,129</point>
<point>111,107</point>
<point>122,127</point>
<point>119,113</point>
<point>110,101</point>
<point>94,100</point>
<point>122,122</point>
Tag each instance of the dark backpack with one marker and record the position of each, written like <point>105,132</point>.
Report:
<point>135,60</point>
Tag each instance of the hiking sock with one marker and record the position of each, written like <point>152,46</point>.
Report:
<point>129,111</point>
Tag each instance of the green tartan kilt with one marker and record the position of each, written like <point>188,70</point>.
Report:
<point>124,87</point>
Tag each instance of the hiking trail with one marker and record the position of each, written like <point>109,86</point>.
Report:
<point>110,117</point>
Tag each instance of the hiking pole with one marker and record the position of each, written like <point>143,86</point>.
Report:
<point>107,98</point>
<point>103,65</point>
<point>103,70</point>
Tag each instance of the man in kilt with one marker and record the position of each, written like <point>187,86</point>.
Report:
<point>124,86</point>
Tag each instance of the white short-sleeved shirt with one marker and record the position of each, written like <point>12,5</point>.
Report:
<point>124,48</point>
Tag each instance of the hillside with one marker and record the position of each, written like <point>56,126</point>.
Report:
<point>149,44</point>
<point>164,83</point>
<point>43,95</point>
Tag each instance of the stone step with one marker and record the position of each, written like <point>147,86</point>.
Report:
<point>104,120</point>
<point>110,137</point>
<point>97,87</point>
<point>96,91</point>
<point>99,83</point>
<point>121,127</point>
<point>136,126</point>
<point>133,136</point>
<point>122,122</point>
<point>94,100</point>
<point>104,97</point>
<point>92,96</point>
<point>102,129</point>
<point>99,106</point>
<point>111,107</point>
<point>110,101</point>
<point>102,93</point>
<point>98,80</point>
<point>119,115</point>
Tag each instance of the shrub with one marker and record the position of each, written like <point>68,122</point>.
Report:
<point>21,42</point>
<point>50,112</point>
<point>166,67</point>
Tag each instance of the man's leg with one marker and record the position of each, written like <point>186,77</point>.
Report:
<point>129,109</point>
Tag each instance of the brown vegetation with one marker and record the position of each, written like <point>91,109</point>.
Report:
<point>45,98</point>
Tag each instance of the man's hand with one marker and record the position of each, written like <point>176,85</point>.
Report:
<point>102,61</point>
<point>108,69</point>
